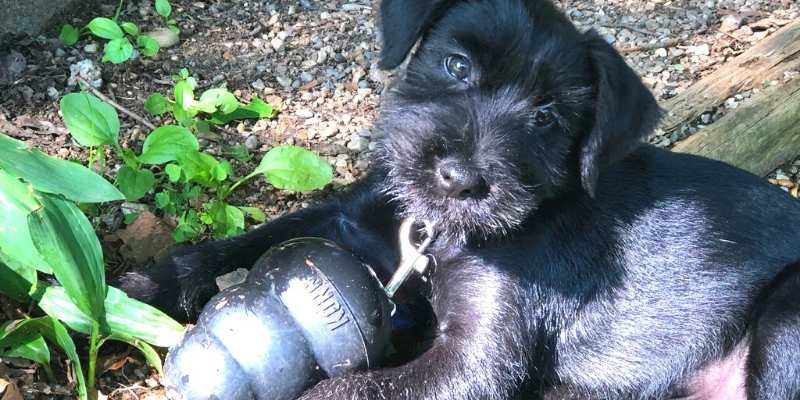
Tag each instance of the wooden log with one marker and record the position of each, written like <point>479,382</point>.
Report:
<point>758,136</point>
<point>767,60</point>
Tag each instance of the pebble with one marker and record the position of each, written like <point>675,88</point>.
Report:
<point>358,143</point>
<point>258,84</point>
<point>276,43</point>
<point>284,81</point>
<point>662,52</point>
<point>52,93</point>
<point>251,142</point>
<point>306,77</point>
<point>700,50</point>
<point>730,23</point>
<point>329,131</point>
<point>86,69</point>
<point>304,113</point>
<point>90,48</point>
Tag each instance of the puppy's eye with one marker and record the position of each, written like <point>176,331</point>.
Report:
<point>544,117</point>
<point>458,66</point>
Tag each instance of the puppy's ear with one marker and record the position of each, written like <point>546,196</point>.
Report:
<point>402,23</point>
<point>625,112</point>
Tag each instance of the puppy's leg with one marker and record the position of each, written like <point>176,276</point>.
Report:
<point>477,355</point>
<point>183,281</point>
<point>774,360</point>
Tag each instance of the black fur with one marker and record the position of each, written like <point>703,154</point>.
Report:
<point>590,267</point>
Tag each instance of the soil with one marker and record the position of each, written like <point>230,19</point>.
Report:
<point>317,62</point>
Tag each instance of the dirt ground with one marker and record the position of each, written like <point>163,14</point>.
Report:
<point>317,62</point>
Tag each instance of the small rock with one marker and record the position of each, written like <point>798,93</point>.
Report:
<point>87,70</point>
<point>90,48</point>
<point>730,23</point>
<point>304,113</point>
<point>662,52</point>
<point>306,77</point>
<point>284,81</point>
<point>322,56</point>
<point>358,143</point>
<point>165,37</point>
<point>276,43</point>
<point>705,118</point>
<point>731,103</point>
<point>329,131</point>
<point>258,84</point>
<point>700,50</point>
<point>52,93</point>
<point>251,142</point>
<point>60,53</point>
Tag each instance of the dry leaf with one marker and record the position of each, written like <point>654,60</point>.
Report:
<point>145,239</point>
<point>9,390</point>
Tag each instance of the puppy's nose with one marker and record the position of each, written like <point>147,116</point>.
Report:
<point>457,180</point>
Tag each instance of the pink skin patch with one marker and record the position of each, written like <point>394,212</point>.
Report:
<point>723,379</point>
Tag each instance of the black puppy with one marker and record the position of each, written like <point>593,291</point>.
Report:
<point>571,263</point>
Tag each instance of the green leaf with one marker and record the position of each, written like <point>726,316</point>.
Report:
<point>118,51</point>
<point>16,284</point>
<point>55,333</point>
<point>51,175</point>
<point>184,100</point>
<point>166,143</point>
<point>149,353</point>
<point>237,151</point>
<point>156,104</point>
<point>294,168</point>
<point>218,98</point>
<point>124,315</point>
<point>189,227</point>
<point>257,109</point>
<point>130,28</point>
<point>163,8</point>
<point>227,220</point>
<point>91,121</point>
<point>162,199</point>
<point>16,248</point>
<point>135,183</point>
<point>105,28</point>
<point>255,213</point>
<point>198,167</point>
<point>69,35</point>
<point>21,340</point>
<point>173,172</point>
<point>66,240</point>
<point>148,45</point>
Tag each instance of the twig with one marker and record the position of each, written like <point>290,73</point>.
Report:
<point>113,103</point>
<point>652,46</point>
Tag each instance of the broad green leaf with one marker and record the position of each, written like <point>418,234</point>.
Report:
<point>130,28</point>
<point>173,172</point>
<point>135,183</point>
<point>147,351</point>
<point>254,213</point>
<point>90,120</point>
<point>51,175</point>
<point>219,98</point>
<point>163,8</point>
<point>66,240</point>
<point>166,143</point>
<point>69,35</point>
<point>18,339</point>
<point>118,51</point>
<point>198,167</point>
<point>184,100</point>
<point>124,315</point>
<point>16,248</point>
<point>227,220</point>
<point>257,109</point>
<point>105,28</point>
<point>54,332</point>
<point>16,284</point>
<point>294,168</point>
<point>189,227</point>
<point>149,46</point>
<point>163,199</point>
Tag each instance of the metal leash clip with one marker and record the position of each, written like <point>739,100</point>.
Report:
<point>411,257</point>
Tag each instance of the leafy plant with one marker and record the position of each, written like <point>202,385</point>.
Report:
<point>46,233</point>
<point>191,185</point>
<point>122,36</point>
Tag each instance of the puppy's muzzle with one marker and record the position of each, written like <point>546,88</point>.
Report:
<point>459,180</point>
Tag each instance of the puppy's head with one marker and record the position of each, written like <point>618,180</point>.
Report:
<point>503,105</point>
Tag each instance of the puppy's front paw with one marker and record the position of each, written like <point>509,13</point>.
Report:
<point>179,284</point>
